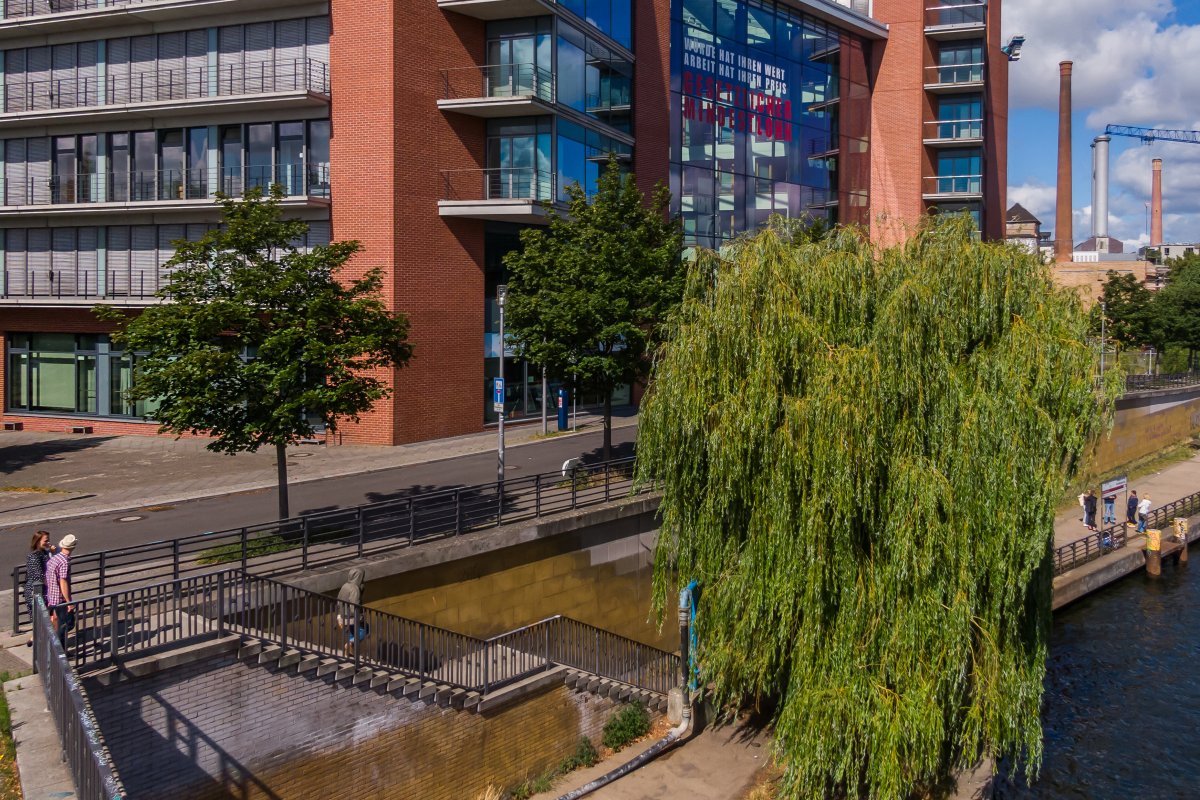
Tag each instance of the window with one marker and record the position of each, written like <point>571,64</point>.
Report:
<point>959,172</point>
<point>960,118</point>
<point>65,373</point>
<point>960,62</point>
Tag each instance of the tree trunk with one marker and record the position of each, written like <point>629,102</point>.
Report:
<point>281,470</point>
<point>608,424</point>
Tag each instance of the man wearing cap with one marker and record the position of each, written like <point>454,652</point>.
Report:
<point>58,588</point>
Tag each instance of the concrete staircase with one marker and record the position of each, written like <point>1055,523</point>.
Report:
<point>399,685</point>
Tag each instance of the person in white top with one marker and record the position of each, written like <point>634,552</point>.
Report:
<point>1143,513</point>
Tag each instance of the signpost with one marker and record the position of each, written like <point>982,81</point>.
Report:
<point>1114,486</point>
<point>498,395</point>
<point>498,389</point>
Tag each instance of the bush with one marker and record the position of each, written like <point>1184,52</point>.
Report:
<point>585,755</point>
<point>630,723</point>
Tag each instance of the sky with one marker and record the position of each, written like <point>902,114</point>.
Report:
<point>1135,63</point>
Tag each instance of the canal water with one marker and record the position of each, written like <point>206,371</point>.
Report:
<point>1121,712</point>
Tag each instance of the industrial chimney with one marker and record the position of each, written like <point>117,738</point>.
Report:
<point>1156,238</point>
<point>1063,235</point>
<point>1100,192</point>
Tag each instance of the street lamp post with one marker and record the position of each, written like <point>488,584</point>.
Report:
<point>501,295</point>
<point>1103,319</point>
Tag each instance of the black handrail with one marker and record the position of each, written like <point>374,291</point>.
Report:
<point>83,745</point>
<point>1115,537</point>
<point>300,543</point>
<point>1142,383</point>
<point>118,625</point>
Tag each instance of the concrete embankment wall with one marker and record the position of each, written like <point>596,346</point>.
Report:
<point>221,728</point>
<point>1146,423</point>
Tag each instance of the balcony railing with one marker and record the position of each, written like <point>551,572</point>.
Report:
<point>153,186</point>
<point>954,74</point>
<point>498,80</point>
<point>954,184</point>
<point>499,183</point>
<point>955,14</point>
<point>952,130</point>
<point>300,74</point>
<point>38,8</point>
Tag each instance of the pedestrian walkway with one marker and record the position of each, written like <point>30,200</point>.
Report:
<point>1164,486</point>
<point>49,476</point>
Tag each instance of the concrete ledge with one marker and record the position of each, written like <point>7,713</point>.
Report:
<point>169,659</point>
<point>535,684</point>
<point>43,773</point>
<point>633,515</point>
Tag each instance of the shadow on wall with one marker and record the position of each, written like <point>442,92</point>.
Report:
<point>149,762</point>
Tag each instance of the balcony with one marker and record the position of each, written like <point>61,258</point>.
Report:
<point>498,9</point>
<point>502,194</point>
<point>951,78</point>
<point>298,83</point>
<point>947,133</point>
<point>25,17</point>
<point>953,187</point>
<point>500,90</point>
<point>949,19</point>
<point>159,190</point>
<point>81,286</point>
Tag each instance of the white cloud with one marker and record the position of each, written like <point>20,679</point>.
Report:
<point>1134,64</point>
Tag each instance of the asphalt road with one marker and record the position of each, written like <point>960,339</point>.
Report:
<point>106,531</point>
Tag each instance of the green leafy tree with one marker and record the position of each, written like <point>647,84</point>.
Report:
<point>1177,306</point>
<point>587,294</point>
<point>255,340</point>
<point>1129,312</point>
<point>860,454</point>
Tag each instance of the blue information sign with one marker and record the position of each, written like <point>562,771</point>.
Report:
<point>498,395</point>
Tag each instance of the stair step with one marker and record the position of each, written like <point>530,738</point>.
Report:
<point>307,662</point>
<point>427,690</point>
<point>344,671</point>
<point>398,682</point>
<point>412,688</point>
<point>270,653</point>
<point>250,648</point>
<point>328,665</point>
<point>442,696</point>
<point>379,679</point>
<point>625,693</point>
<point>458,698</point>
<point>593,684</point>
<point>289,658</point>
<point>471,700</point>
<point>362,676</point>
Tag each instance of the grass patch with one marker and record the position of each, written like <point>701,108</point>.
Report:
<point>629,724</point>
<point>33,489</point>
<point>585,755</point>
<point>264,546</point>
<point>10,785</point>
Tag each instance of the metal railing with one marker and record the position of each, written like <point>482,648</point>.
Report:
<point>953,74</point>
<point>329,537</point>
<point>954,184</point>
<point>498,80</point>
<point>949,13</point>
<point>122,624</point>
<point>1114,537</point>
<point>83,747</point>
<point>954,129</point>
<point>164,84</point>
<point>499,183</point>
<point>36,8</point>
<point>1141,383</point>
<point>155,186</point>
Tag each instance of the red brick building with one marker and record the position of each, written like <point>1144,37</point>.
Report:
<point>431,132</point>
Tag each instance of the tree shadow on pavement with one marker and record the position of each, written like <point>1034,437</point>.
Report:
<point>22,455</point>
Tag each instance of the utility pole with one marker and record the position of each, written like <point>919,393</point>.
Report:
<point>545,390</point>
<point>501,296</point>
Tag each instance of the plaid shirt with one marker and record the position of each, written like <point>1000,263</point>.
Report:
<point>59,566</point>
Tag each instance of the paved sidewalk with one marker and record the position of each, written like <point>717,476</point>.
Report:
<point>1170,483</point>
<point>55,476</point>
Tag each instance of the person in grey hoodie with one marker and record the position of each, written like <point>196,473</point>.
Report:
<point>349,619</point>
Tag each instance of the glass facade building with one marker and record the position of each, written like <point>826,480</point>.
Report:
<point>769,115</point>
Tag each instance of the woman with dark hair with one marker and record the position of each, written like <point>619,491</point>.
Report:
<point>40,550</point>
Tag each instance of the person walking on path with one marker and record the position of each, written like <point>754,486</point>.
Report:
<point>1089,510</point>
<point>58,589</point>
<point>1131,506</point>
<point>1143,510</point>
<point>1110,509</point>
<point>40,551</point>
<point>349,600</point>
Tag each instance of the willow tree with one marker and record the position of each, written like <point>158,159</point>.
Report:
<point>860,454</point>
